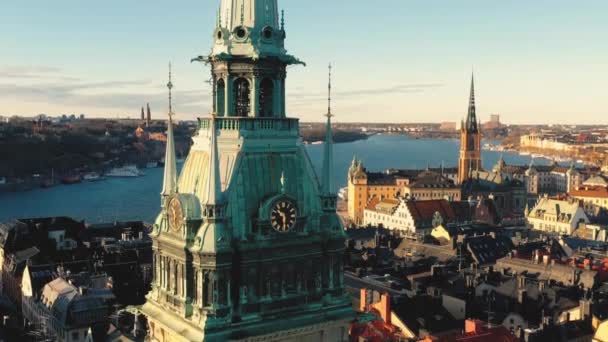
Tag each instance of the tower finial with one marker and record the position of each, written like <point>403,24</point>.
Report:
<point>170,173</point>
<point>329,92</point>
<point>327,183</point>
<point>170,87</point>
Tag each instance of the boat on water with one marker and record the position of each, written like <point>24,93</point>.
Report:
<point>93,177</point>
<point>151,165</point>
<point>343,193</point>
<point>125,171</point>
<point>524,153</point>
<point>71,179</point>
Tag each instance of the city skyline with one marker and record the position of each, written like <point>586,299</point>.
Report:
<point>539,62</point>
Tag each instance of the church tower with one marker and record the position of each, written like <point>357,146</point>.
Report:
<point>247,244</point>
<point>470,142</point>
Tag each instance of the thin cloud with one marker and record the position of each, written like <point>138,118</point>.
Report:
<point>25,72</point>
<point>396,89</point>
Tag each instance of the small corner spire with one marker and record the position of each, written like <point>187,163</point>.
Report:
<point>329,114</point>
<point>170,87</point>
<point>327,183</point>
<point>282,20</point>
<point>170,172</point>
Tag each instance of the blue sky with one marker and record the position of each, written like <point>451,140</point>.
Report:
<point>542,61</point>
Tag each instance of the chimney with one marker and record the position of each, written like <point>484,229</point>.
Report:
<point>521,296</point>
<point>473,327</point>
<point>585,307</point>
<point>364,296</point>
<point>384,306</point>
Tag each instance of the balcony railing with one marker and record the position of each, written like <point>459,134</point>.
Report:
<point>250,124</point>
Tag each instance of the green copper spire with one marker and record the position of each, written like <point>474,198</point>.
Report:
<point>328,167</point>
<point>170,174</point>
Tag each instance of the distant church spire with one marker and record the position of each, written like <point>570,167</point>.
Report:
<point>214,185</point>
<point>327,180</point>
<point>170,175</point>
<point>471,122</point>
<point>149,114</point>
<point>142,114</point>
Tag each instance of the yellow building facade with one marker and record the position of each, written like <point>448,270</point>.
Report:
<point>362,186</point>
<point>415,184</point>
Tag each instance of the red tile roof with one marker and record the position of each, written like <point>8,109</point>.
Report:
<point>425,210</point>
<point>596,192</point>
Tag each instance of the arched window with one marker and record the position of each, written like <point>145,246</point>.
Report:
<point>242,96</point>
<point>221,97</point>
<point>266,98</point>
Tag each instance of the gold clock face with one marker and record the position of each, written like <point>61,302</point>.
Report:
<point>283,215</point>
<point>176,217</point>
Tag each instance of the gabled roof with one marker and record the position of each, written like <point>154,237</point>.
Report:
<point>599,180</point>
<point>431,179</point>
<point>423,211</point>
<point>565,211</point>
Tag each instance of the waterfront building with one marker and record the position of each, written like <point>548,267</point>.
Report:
<point>556,216</point>
<point>553,179</point>
<point>470,142</point>
<point>248,245</point>
<point>547,141</point>
<point>594,195</point>
<point>364,185</point>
